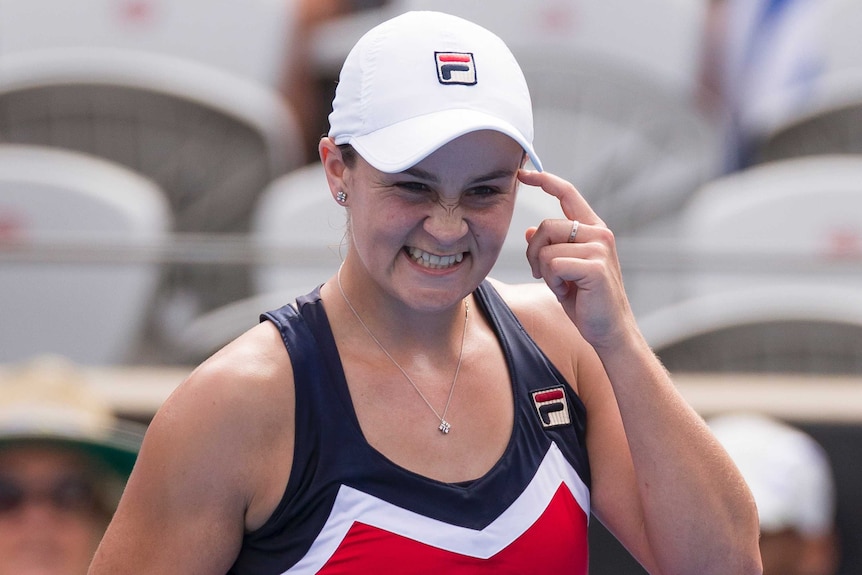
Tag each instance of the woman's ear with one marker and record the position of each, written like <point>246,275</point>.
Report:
<point>333,166</point>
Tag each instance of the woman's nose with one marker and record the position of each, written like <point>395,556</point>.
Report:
<point>446,222</point>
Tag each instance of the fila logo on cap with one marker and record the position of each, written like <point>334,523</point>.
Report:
<point>455,68</point>
<point>552,407</point>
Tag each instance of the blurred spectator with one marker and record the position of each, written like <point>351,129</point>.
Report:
<point>760,60</point>
<point>792,482</point>
<point>64,459</point>
<point>309,94</point>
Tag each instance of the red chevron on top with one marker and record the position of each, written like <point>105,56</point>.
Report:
<point>553,544</point>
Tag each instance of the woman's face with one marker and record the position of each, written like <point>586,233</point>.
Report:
<point>430,234</point>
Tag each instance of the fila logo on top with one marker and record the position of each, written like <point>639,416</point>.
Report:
<point>455,68</point>
<point>552,406</point>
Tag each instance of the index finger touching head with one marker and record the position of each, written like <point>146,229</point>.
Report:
<point>575,207</point>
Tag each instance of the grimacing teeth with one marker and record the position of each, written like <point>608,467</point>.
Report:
<point>432,260</point>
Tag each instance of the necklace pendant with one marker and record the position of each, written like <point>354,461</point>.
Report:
<point>444,427</point>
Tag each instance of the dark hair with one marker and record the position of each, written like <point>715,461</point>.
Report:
<point>348,155</point>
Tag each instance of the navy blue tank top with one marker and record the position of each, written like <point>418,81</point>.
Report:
<point>348,509</point>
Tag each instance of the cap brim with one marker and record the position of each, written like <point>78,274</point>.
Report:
<point>397,147</point>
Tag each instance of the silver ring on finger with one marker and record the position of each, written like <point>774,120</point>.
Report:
<point>574,233</point>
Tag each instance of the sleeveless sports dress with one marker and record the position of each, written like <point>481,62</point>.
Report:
<point>348,509</point>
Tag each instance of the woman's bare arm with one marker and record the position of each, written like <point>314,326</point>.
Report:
<point>204,475</point>
<point>662,483</point>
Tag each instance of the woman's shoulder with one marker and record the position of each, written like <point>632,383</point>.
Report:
<point>247,374</point>
<point>533,294</point>
<point>228,417</point>
<point>535,306</point>
<point>242,388</point>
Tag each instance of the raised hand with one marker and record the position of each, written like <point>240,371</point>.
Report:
<point>577,259</point>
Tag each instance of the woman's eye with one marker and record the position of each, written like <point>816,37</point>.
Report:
<point>484,191</point>
<point>484,194</point>
<point>412,186</point>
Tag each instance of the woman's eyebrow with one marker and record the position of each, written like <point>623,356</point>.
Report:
<point>431,177</point>
<point>421,174</point>
<point>494,175</point>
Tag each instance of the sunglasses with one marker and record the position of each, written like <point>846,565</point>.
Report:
<point>68,494</point>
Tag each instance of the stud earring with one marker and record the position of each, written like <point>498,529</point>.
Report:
<point>341,197</point>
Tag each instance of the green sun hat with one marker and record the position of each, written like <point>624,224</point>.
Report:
<point>48,401</point>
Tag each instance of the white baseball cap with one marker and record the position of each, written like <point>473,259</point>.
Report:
<point>788,472</point>
<point>422,79</point>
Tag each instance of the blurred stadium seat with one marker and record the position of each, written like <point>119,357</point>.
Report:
<point>210,139</point>
<point>297,228</point>
<point>776,283</point>
<point>827,117</point>
<point>815,329</point>
<point>297,220</point>
<point>831,122</point>
<point>57,208</point>
<point>248,39</point>
<point>634,148</point>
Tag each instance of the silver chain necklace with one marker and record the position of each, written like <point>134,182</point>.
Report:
<point>444,426</point>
